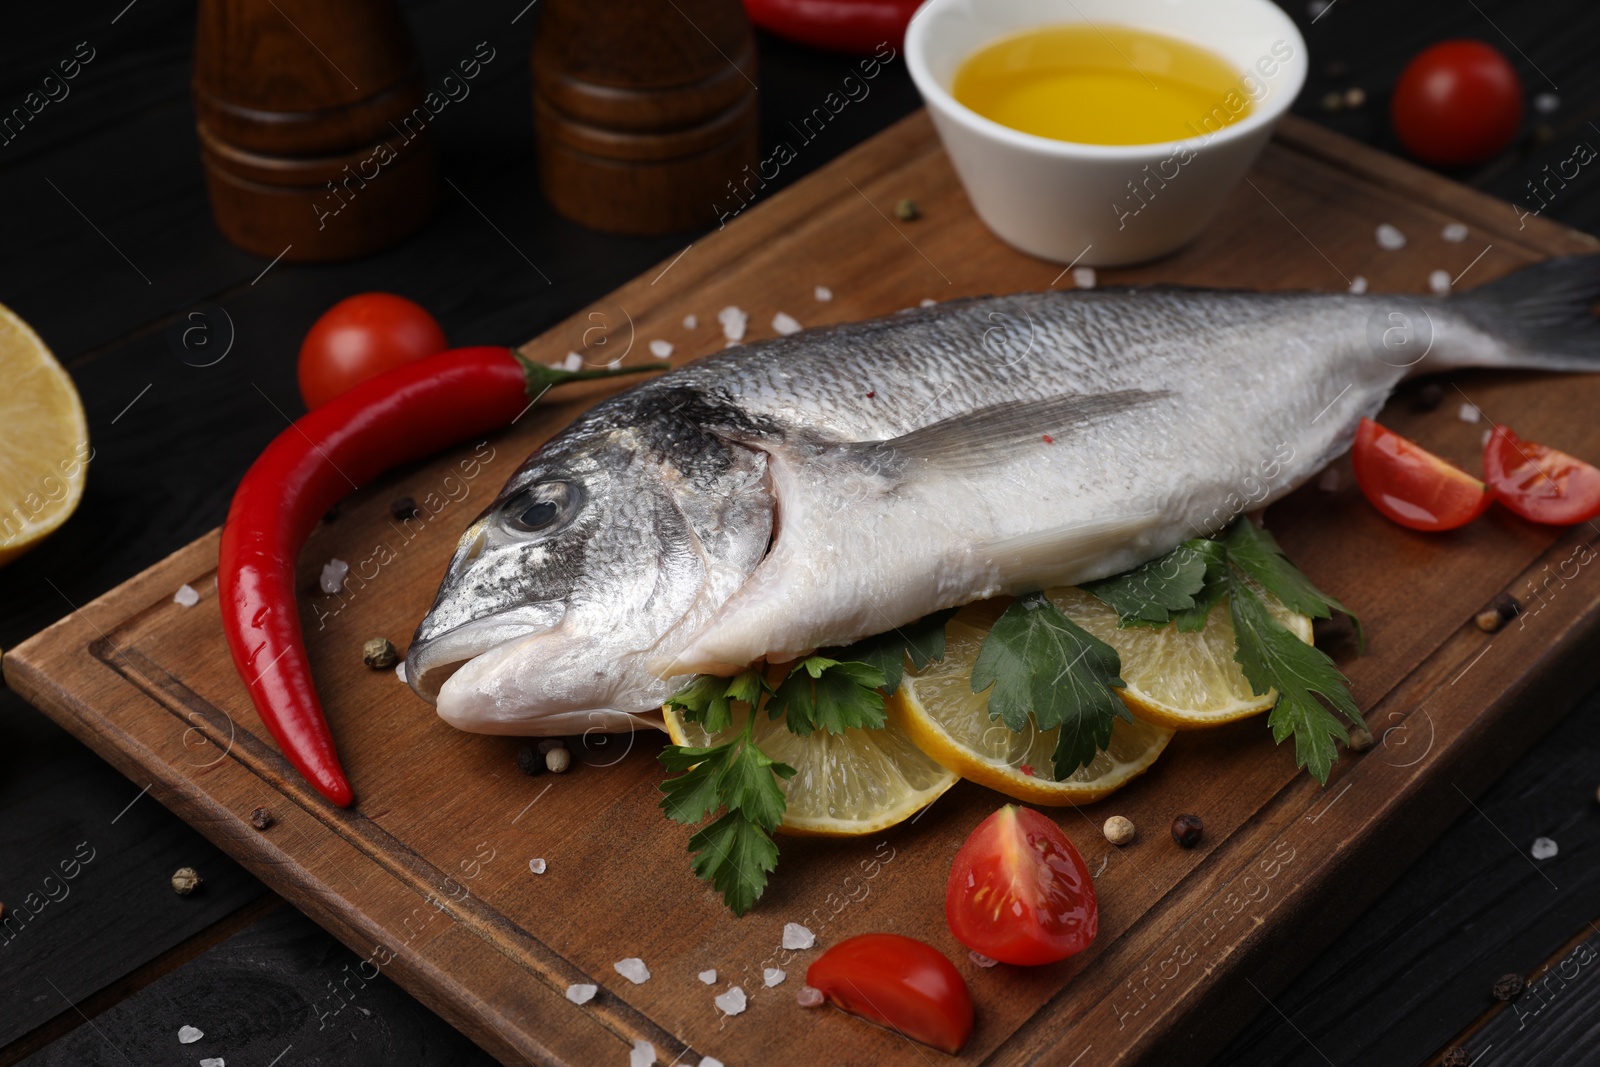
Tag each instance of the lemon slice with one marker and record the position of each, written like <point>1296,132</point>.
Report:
<point>951,723</point>
<point>1178,680</point>
<point>845,785</point>
<point>44,447</point>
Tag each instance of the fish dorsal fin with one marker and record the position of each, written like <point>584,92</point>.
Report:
<point>980,437</point>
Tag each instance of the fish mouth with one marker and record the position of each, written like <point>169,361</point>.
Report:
<point>430,663</point>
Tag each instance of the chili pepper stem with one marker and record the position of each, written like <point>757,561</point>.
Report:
<point>542,378</point>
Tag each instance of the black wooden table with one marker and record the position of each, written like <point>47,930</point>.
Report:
<point>106,242</point>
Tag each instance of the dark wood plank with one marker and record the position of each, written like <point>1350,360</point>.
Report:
<point>281,992</point>
<point>85,870</point>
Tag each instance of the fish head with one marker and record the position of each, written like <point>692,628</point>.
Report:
<point>609,546</point>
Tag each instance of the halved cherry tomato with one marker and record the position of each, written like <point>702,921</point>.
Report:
<point>360,337</point>
<point>1540,483</point>
<point>1019,892</point>
<point>1457,103</point>
<point>1413,486</point>
<point>898,982</point>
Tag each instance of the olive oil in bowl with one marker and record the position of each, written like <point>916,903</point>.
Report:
<point>1109,85</point>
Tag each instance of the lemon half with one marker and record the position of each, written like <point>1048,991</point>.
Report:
<point>44,444</point>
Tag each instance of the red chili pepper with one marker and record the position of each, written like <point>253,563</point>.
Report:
<point>857,26</point>
<point>398,416</point>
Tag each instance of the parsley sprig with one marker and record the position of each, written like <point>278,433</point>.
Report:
<point>835,690</point>
<point>1203,573</point>
<point>1041,670</point>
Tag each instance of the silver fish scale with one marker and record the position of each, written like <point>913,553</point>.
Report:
<point>933,363</point>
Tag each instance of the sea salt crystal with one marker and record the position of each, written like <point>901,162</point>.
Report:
<point>186,596</point>
<point>1329,482</point>
<point>733,1001</point>
<point>633,969</point>
<point>822,293</point>
<point>1455,232</point>
<point>1486,435</point>
<point>796,936</point>
<point>785,324</point>
<point>1467,413</point>
<point>1439,281</point>
<point>1317,8</point>
<point>615,364</point>
<point>660,349</point>
<point>773,976</point>
<point>808,997</point>
<point>733,322</point>
<point>581,993</point>
<point>1358,285</point>
<point>691,322</point>
<point>1543,848</point>
<point>536,866</point>
<point>709,977</point>
<point>333,573</point>
<point>1546,103</point>
<point>710,1061</point>
<point>400,670</point>
<point>643,1054</point>
<point>1390,239</point>
<point>927,302</point>
<point>188,1035</point>
<point>1083,277</point>
<point>213,1061</point>
<point>981,960</point>
<point>572,362</point>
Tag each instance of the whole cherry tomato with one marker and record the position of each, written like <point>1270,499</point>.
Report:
<point>898,982</point>
<point>1457,103</point>
<point>1019,892</point>
<point>1540,483</point>
<point>360,337</point>
<point>1413,486</point>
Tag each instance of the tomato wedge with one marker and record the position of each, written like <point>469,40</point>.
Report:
<point>898,982</point>
<point>1538,482</point>
<point>1413,486</point>
<point>1019,892</point>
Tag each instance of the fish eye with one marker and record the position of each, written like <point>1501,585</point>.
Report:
<point>541,508</point>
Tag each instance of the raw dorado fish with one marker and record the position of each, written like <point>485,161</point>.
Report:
<point>813,489</point>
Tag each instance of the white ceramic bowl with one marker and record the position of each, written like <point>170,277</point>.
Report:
<point>1105,205</point>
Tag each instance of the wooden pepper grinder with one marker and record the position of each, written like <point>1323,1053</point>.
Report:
<point>313,131</point>
<point>644,110</point>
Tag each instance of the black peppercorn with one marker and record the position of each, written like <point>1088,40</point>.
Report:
<point>530,761</point>
<point>1429,397</point>
<point>403,508</point>
<point>1509,987</point>
<point>1187,830</point>
<point>1456,1056</point>
<point>261,818</point>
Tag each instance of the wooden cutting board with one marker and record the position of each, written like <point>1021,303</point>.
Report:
<point>428,876</point>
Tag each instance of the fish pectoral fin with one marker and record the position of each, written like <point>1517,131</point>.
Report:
<point>1062,555</point>
<point>978,438</point>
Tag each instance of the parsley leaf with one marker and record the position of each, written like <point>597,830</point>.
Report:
<point>922,642</point>
<point>708,700</point>
<point>1148,594</point>
<point>1274,658</point>
<point>1193,620</point>
<point>736,852</point>
<point>1256,553</point>
<point>1041,662</point>
<point>823,693</point>
<point>735,855</point>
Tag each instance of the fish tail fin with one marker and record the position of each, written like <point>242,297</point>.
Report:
<point>1545,311</point>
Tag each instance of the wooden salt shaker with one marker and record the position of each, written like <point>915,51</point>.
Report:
<point>312,127</point>
<point>644,110</point>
